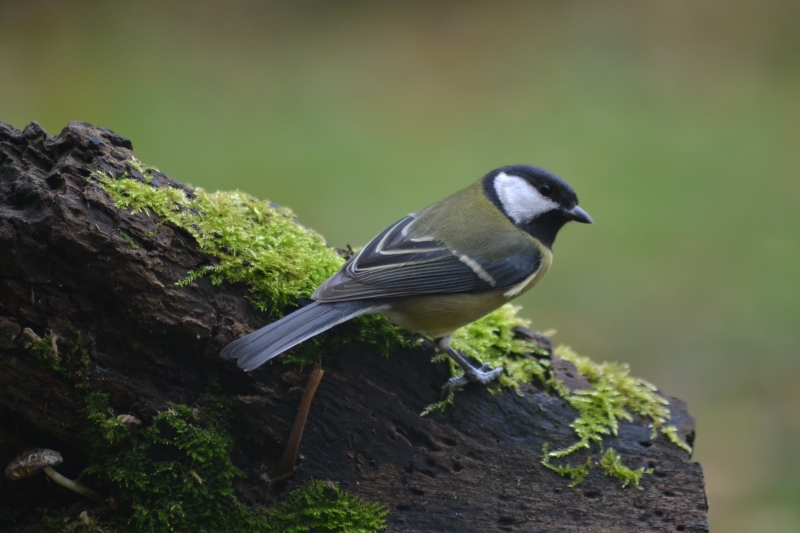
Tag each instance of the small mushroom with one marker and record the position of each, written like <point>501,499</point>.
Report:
<point>31,461</point>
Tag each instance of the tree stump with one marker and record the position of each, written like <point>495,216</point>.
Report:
<point>67,265</point>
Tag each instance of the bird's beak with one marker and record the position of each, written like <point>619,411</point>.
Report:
<point>579,215</point>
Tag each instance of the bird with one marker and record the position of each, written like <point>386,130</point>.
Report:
<point>438,269</point>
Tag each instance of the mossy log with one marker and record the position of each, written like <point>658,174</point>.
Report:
<point>72,262</point>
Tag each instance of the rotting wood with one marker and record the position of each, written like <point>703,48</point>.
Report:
<point>65,266</point>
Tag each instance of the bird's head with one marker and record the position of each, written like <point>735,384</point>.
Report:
<point>534,199</point>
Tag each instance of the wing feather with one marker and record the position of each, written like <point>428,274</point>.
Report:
<point>399,263</point>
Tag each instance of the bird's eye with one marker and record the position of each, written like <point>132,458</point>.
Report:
<point>545,190</point>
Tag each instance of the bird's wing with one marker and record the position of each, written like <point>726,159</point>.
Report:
<point>397,263</point>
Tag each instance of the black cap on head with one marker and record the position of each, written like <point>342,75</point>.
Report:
<point>534,199</point>
<point>548,184</point>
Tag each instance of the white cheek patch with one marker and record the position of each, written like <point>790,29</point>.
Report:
<point>521,201</point>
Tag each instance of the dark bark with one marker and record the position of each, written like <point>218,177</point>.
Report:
<point>65,267</point>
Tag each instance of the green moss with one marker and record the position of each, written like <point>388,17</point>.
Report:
<point>71,365</point>
<point>320,506</point>
<point>439,406</point>
<point>491,339</point>
<point>576,473</point>
<point>614,396</point>
<point>611,465</point>
<point>174,475</point>
<point>46,352</point>
<point>253,241</point>
<point>671,432</point>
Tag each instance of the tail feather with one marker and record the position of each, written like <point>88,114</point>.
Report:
<point>255,349</point>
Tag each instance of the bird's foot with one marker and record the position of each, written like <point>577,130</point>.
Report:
<point>483,375</point>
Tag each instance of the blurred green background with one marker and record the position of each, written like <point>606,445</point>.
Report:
<point>677,122</point>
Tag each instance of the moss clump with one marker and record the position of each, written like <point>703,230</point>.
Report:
<point>614,396</point>
<point>320,506</point>
<point>173,475</point>
<point>254,241</point>
<point>611,465</point>
<point>492,339</point>
<point>176,476</point>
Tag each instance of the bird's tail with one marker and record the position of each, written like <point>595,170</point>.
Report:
<point>255,349</point>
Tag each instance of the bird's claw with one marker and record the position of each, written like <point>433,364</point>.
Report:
<point>483,375</point>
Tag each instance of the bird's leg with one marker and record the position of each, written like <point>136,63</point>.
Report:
<point>485,374</point>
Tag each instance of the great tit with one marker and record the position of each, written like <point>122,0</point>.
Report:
<point>438,269</point>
